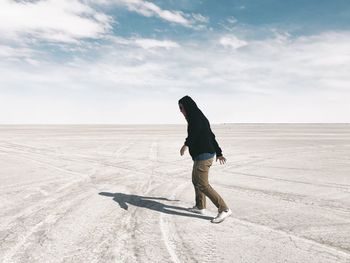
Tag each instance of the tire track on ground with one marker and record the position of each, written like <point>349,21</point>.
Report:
<point>270,156</point>
<point>335,251</point>
<point>169,240</point>
<point>75,160</point>
<point>83,176</point>
<point>327,185</point>
<point>293,198</point>
<point>41,218</point>
<point>48,202</point>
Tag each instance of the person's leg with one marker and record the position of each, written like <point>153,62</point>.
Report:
<point>201,172</point>
<point>199,195</point>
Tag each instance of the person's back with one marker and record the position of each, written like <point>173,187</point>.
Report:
<point>204,138</point>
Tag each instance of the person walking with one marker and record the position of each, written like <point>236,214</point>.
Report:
<point>202,147</point>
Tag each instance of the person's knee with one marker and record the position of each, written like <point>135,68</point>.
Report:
<point>203,187</point>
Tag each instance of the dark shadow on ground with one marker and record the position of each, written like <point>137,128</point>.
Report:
<point>149,202</point>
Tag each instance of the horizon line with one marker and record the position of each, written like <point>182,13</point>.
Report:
<point>213,123</point>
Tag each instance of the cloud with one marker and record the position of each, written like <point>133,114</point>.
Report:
<point>71,21</point>
<point>65,21</point>
<point>154,43</point>
<point>15,53</point>
<point>232,20</point>
<point>149,9</point>
<point>200,18</point>
<point>277,79</point>
<point>230,24</point>
<point>232,41</point>
<point>144,43</point>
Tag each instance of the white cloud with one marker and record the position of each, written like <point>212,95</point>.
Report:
<point>149,9</point>
<point>58,21</point>
<point>145,43</point>
<point>200,18</point>
<point>13,53</point>
<point>153,43</point>
<point>276,80</point>
<point>232,20</point>
<point>229,24</point>
<point>232,41</point>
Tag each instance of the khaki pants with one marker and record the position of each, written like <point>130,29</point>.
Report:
<point>202,187</point>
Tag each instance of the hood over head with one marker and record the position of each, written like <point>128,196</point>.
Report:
<point>190,107</point>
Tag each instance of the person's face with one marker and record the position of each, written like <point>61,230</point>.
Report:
<point>182,109</point>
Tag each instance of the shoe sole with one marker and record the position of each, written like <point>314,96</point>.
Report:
<point>217,222</point>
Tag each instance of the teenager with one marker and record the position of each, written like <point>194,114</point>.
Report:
<point>202,147</point>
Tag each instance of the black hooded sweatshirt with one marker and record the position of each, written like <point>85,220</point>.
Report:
<point>200,138</point>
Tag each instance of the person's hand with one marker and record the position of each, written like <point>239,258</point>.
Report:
<point>183,149</point>
<point>221,159</point>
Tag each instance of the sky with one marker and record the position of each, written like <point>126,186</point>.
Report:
<point>130,61</point>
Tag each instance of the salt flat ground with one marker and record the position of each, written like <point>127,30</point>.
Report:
<point>90,193</point>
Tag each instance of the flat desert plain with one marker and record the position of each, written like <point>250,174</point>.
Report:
<point>120,193</point>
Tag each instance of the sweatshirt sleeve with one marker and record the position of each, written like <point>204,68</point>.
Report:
<point>193,131</point>
<point>216,145</point>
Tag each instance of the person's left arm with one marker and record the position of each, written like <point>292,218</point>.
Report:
<point>218,150</point>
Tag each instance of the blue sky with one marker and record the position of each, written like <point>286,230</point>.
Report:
<point>129,61</point>
<point>299,17</point>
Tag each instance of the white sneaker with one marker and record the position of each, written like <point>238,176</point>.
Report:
<point>221,216</point>
<point>196,210</point>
